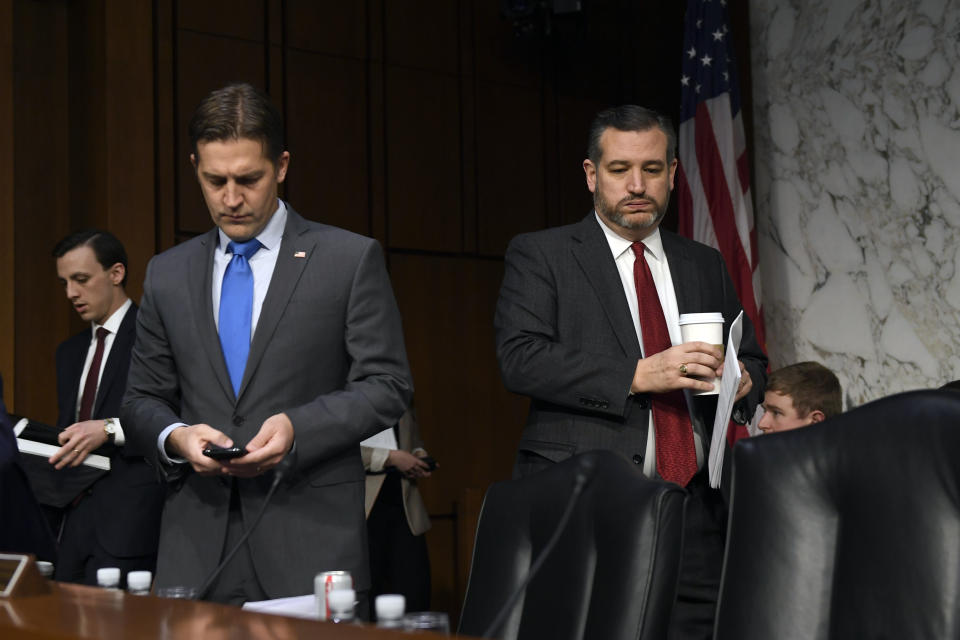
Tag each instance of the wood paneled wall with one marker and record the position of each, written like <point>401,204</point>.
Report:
<point>427,124</point>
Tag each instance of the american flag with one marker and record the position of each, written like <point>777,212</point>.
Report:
<point>713,189</point>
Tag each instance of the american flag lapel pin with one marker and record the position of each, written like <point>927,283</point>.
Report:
<point>300,254</point>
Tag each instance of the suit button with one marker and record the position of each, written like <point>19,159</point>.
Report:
<point>237,421</point>
<point>637,459</point>
<point>644,403</point>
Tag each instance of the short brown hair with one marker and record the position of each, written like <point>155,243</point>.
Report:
<point>629,117</point>
<point>811,386</point>
<point>234,112</point>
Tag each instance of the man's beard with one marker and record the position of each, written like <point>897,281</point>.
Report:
<point>618,217</point>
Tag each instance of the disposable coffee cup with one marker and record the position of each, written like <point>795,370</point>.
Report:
<point>703,327</point>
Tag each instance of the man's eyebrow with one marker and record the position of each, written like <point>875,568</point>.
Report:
<point>252,174</point>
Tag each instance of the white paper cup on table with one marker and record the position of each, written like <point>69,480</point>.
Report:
<point>703,327</point>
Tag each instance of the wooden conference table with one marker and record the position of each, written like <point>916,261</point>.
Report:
<point>76,611</point>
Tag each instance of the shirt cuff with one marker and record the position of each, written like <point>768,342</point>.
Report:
<point>118,438</point>
<point>378,459</point>
<point>162,441</point>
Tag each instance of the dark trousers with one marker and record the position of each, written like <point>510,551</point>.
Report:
<point>398,559</point>
<point>704,533</point>
<point>238,582</point>
<point>81,553</point>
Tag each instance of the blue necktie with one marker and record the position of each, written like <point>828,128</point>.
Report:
<point>236,309</point>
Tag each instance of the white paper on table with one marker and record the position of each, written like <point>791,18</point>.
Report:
<point>386,439</point>
<point>296,606</point>
<point>729,383</point>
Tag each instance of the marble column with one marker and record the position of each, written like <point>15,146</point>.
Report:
<point>857,156</point>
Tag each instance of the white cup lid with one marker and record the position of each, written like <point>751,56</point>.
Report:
<point>700,318</point>
<point>108,575</point>
<point>390,606</point>
<point>341,599</point>
<point>139,579</point>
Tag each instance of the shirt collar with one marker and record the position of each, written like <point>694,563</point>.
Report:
<point>113,322</point>
<point>271,235</point>
<point>619,244</point>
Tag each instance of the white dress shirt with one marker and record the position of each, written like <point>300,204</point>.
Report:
<point>623,255</point>
<point>113,326</point>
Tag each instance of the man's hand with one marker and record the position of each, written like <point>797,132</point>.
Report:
<point>189,443</point>
<point>408,464</point>
<point>664,371</point>
<point>746,383</point>
<point>78,441</point>
<point>266,450</point>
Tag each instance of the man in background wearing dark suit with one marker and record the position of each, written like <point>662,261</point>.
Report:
<point>24,529</point>
<point>116,521</point>
<point>587,325</point>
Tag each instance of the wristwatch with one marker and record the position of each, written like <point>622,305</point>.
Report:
<point>110,428</point>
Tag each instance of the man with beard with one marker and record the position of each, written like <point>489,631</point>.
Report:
<point>587,326</point>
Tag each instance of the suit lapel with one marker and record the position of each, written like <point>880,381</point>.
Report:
<point>592,252</point>
<point>294,254</point>
<point>122,344</point>
<point>682,270</point>
<point>200,270</point>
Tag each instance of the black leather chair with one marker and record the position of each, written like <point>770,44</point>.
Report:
<point>849,528</point>
<point>613,573</point>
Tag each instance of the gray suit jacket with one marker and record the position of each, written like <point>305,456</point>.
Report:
<point>565,337</point>
<point>328,351</point>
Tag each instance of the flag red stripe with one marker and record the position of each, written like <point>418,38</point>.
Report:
<point>721,209</point>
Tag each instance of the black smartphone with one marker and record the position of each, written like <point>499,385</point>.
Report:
<point>431,463</point>
<point>224,453</point>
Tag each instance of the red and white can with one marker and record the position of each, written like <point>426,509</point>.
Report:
<point>326,582</point>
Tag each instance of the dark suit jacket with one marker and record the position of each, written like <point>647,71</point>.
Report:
<point>328,351</point>
<point>128,499</point>
<point>23,528</point>
<point>565,337</point>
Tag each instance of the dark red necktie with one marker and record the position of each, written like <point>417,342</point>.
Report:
<point>676,455</point>
<point>90,386</point>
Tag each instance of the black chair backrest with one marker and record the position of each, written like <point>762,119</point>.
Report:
<point>613,573</point>
<point>849,528</point>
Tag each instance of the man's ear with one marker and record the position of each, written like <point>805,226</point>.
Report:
<point>193,161</point>
<point>116,273</point>
<point>590,170</point>
<point>283,163</point>
<point>816,416</point>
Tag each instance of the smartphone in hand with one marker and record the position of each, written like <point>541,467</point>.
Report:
<point>224,453</point>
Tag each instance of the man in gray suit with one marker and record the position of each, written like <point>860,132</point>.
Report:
<point>587,325</point>
<point>271,333</point>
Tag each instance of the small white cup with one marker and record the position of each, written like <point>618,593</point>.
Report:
<point>703,327</point>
